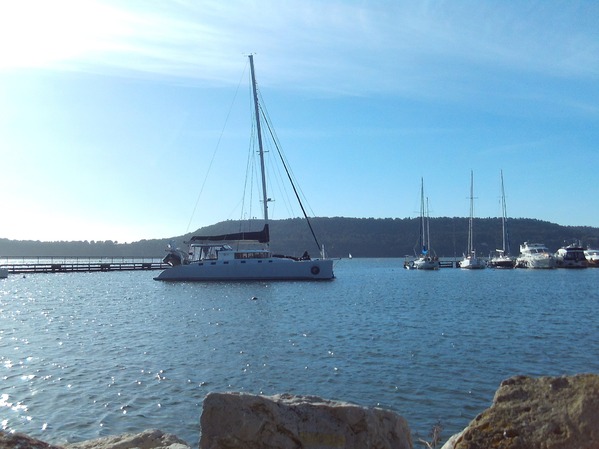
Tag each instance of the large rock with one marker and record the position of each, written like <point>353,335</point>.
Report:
<point>20,441</point>
<point>148,439</point>
<point>544,413</point>
<point>244,421</point>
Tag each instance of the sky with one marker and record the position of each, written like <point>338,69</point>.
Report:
<point>119,120</point>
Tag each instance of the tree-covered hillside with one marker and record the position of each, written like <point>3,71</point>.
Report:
<point>362,237</point>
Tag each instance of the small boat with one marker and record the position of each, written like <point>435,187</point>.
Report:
<point>244,256</point>
<point>425,260</point>
<point>502,257</point>
<point>535,255</point>
<point>471,261</point>
<point>592,256</point>
<point>571,256</point>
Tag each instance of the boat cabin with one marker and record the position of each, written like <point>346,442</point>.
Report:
<point>199,252</point>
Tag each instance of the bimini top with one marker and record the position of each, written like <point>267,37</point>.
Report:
<point>262,236</point>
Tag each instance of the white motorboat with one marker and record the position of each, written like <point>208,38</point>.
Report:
<point>471,261</point>
<point>571,256</point>
<point>425,260</point>
<point>502,257</point>
<point>592,256</point>
<point>244,255</point>
<point>535,255</point>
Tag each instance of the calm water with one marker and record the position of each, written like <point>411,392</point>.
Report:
<point>89,355</point>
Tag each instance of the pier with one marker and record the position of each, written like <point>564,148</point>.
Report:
<point>25,265</point>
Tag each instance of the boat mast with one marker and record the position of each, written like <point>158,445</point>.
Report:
<point>428,229</point>
<point>423,241</point>
<point>470,230</point>
<point>506,244</point>
<point>259,132</point>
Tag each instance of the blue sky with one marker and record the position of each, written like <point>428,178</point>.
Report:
<point>111,112</point>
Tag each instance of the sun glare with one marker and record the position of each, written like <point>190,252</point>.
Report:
<point>37,33</point>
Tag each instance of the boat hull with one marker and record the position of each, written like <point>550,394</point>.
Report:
<point>472,264</point>
<point>571,257</point>
<point>535,255</point>
<point>536,262</point>
<point>268,269</point>
<point>424,264</point>
<point>501,262</point>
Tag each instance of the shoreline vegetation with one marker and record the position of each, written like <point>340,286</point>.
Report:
<point>362,237</point>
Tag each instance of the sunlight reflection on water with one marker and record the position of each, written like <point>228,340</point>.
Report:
<point>88,355</point>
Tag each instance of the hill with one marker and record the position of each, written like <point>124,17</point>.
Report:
<point>362,237</point>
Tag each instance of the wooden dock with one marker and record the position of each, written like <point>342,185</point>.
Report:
<point>24,265</point>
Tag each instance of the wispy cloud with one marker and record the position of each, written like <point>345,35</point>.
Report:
<point>331,46</point>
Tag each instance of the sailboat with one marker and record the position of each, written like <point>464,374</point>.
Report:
<point>244,256</point>
<point>502,258</point>
<point>470,260</point>
<point>425,261</point>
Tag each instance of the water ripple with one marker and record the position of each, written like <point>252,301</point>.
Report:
<point>120,352</point>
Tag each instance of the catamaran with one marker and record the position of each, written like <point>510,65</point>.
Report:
<point>245,256</point>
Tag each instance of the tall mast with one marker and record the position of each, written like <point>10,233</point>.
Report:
<point>259,132</point>
<point>428,229</point>
<point>470,230</point>
<point>422,222</point>
<point>506,249</point>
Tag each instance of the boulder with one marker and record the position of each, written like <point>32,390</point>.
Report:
<point>148,439</point>
<point>20,441</point>
<point>544,413</point>
<point>245,421</point>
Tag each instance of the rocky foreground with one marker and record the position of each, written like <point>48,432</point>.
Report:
<point>544,413</point>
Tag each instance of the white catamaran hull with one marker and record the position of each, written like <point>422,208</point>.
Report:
<point>269,269</point>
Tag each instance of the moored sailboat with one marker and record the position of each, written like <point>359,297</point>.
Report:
<point>502,257</point>
<point>244,255</point>
<point>471,261</point>
<point>425,260</point>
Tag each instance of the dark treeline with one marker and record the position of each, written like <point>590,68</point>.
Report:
<point>362,237</point>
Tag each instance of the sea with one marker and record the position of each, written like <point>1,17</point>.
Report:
<point>87,355</point>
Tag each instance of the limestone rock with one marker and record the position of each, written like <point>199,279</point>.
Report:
<point>544,413</point>
<point>148,439</point>
<point>244,421</point>
<point>20,441</point>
